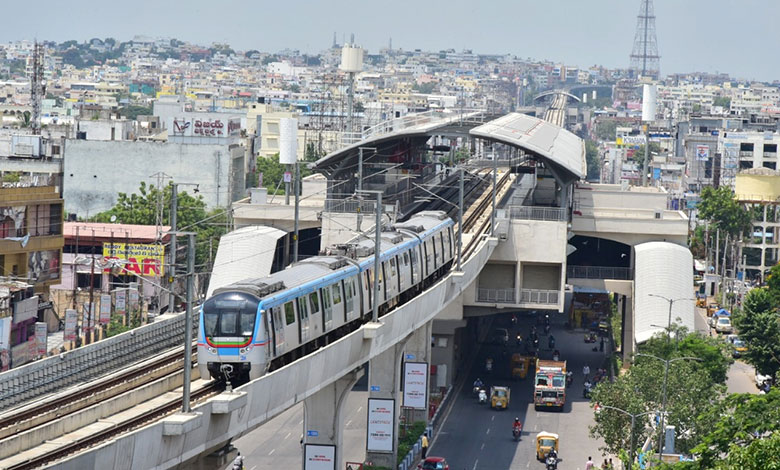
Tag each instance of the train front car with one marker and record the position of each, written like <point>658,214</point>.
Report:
<point>232,339</point>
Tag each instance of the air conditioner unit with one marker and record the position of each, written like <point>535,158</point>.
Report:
<point>659,214</point>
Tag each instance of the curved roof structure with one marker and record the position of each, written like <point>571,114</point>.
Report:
<point>559,148</point>
<point>662,270</point>
<point>556,92</point>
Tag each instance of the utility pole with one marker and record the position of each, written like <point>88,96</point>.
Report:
<point>185,403</point>
<point>377,252</point>
<point>360,185</point>
<point>493,213</point>
<point>460,217</point>
<point>172,267</point>
<point>91,292</point>
<point>297,187</point>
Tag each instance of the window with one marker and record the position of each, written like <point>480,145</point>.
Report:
<point>83,279</point>
<point>392,267</point>
<point>55,149</point>
<point>406,259</point>
<point>247,324</point>
<point>210,326</point>
<point>277,317</point>
<point>336,292</point>
<point>326,298</point>
<point>227,322</point>
<point>289,313</point>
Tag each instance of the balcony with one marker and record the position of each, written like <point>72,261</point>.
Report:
<point>552,214</point>
<point>599,272</point>
<point>496,296</point>
<point>539,296</point>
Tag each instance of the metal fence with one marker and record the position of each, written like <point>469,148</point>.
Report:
<point>500,296</point>
<point>599,272</point>
<point>555,214</point>
<point>538,296</point>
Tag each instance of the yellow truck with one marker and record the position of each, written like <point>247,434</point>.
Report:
<point>499,397</point>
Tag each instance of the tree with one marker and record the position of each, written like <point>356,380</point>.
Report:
<point>606,130</point>
<point>761,454</point>
<point>592,159</point>
<point>715,356</point>
<point>723,101</point>
<point>720,207</point>
<point>759,327</point>
<point>773,284</point>
<point>273,171</point>
<point>132,112</point>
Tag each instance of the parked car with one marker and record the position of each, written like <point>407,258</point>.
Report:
<point>434,463</point>
<point>723,325</point>
<point>501,336</point>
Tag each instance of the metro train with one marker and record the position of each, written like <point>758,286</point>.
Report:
<point>256,325</point>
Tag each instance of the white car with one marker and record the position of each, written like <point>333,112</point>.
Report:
<point>723,325</point>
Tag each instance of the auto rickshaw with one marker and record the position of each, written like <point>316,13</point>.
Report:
<point>545,442</point>
<point>499,398</point>
<point>520,365</point>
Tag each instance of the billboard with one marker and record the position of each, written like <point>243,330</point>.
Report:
<point>43,265</point>
<point>41,338</point>
<point>702,152</point>
<point>381,416</point>
<point>415,385</point>
<point>105,309</point>
<point>120,296</point>
<point>139,258</point>
<point>71,321</point>
<point>205,127</point>
<point>26,309</point>
<point>319,457</point>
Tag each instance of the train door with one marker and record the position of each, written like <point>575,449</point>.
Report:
<point>303,319</point>
<point>290,328</point>
<point>350,312</point>
<point>338,304</point>
<point>404,273</point>
<point>369,289</point>
<point>414,264</point>
<point>314,311</point>
<point>442,252</point>
<point>277,329</point>
<point>327,309</point>
<point>426,259</point>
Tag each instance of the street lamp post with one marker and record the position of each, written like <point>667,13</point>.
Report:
<point>633,416</point>
<point>663,399</point>
<point>377,252</point>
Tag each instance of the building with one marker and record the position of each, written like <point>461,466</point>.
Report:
<point>96,171</point>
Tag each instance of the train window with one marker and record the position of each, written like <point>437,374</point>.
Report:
<point>289,313</point>
<point>247,323</point>
<point>406,259</point>
<point>315,302</point>
<point>227,323</point>
<point>441,241</point>
<point>336,294</point>
<point>210,323</point>
<point>303,311</point>
<point>277,318</point>
<point>392,267</point>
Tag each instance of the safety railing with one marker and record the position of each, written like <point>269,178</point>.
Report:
<point>599,272</point>
<point>555,214</point>
<point>539,296</point>
<point>499,296</point>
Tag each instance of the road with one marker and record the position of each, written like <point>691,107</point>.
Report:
<point>277,444</point>
<point>741,376</point>
<point>475,437</point>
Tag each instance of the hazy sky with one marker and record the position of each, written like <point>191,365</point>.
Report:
<point>739,37</point>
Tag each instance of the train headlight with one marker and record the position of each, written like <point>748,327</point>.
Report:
<point>245,350</point>
<point>212,350</point>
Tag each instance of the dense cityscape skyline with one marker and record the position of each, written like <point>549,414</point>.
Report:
<point>589,34</point>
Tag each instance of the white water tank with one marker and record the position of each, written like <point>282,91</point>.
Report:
<point>351,58</point>
<point>649,96</point>
<point>288,141</point>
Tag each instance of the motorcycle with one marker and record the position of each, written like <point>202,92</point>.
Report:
<point>551,343</point>
<point>547,329</point>
<point>556,355</point>
<point>488,365</point>
<point>551,463</point>
<point>475,390</point>
<point>590,337</point>
<point>483,398</point>
<point>519,340</point>
<point>586,390</point>
<point>569,378</point>
<point>516,432</point>
<point>536,343</point>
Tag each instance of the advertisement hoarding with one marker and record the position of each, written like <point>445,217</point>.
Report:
<point>702,152</point>
<point>319,457</point>
<point>139,258</point>
<point>26,309</point>
<point>415,385</point>
<point>71,320</point>
<point>41,338</point>
<point>105,309</point>
<point>120,297</point>
<point>380,433</point>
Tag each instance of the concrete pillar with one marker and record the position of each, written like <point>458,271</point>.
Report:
<point>323,415</point>
<point>418,349</point>
<point>628,329</point>
<point>384,380</point>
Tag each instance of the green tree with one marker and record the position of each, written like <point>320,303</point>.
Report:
<point>720,207</point>
<point>761,454</point>
<point>759,326</point>
<point>714,355</point>
<point>724,101</point>
<point>132,112</point>
<point>606,130</point>
<point>273,172</point>
<point>773,284</point>
<point>592,159</point>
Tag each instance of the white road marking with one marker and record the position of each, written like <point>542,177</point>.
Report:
<point>528,465</point>
<point>301,422</point>
<point>272,451</point>
<point>288,435</point>
<point>488,431</point>
<point>359,409</point>
<point>253,468</point>
<point>349,422</point>
<point>492,418</point>
<point>483,446</point>
<point>475,464</point>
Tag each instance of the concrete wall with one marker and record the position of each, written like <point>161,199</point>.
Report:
<point>541,276</point>
<point>101,129</point>
<point>498,276</point>
<point>603,196</point>
<point>95,172</point>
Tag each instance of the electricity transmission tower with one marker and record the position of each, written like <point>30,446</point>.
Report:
<point>37,88</point>
<point>645,60</point>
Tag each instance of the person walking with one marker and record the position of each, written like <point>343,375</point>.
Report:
<point>589,465</point>
<point>424,445</point>
<point>586,371</point>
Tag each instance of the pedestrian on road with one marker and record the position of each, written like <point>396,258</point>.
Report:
<point>424,445</point>
<point>586,371</point>
<point>589,465</point>
<point>610,466</point>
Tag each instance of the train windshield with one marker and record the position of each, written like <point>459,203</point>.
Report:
<point>230,314</point>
